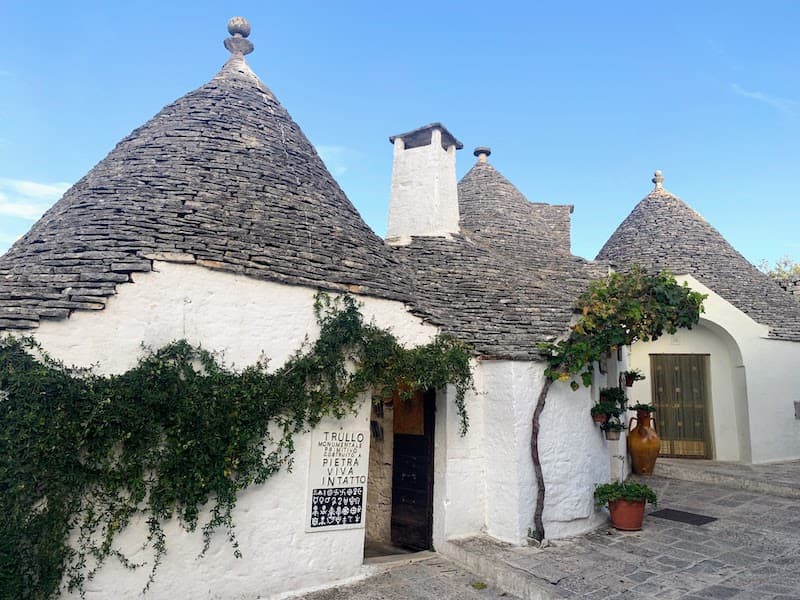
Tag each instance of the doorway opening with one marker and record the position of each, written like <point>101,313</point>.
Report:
<point>399,516</point>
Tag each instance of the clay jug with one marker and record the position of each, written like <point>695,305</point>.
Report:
<point>643,443</point>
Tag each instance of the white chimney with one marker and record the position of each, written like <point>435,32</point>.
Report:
<point>424,199</point>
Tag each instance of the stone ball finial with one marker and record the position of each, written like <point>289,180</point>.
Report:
<point>482,152</point>
<point>238,27</point>
<point>658,179</point>
<point>238,44</point>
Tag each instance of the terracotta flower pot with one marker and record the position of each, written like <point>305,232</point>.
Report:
<point>599,418</point>
<point>626,515</point>
<point>629,379</point>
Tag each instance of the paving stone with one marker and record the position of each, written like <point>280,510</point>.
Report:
<point>718,591</point>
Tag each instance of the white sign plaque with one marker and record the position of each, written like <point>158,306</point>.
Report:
<point>337,479</point>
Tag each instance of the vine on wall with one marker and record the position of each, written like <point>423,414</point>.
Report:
<point>614,311</point>
<point>81,454</point>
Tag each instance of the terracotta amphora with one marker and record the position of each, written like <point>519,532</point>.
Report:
<point>643,443</point>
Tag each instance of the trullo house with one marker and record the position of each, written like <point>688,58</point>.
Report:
<point>217,222</point>
<point>725,389</point>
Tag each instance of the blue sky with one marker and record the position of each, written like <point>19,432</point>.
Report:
<point>579,101</point>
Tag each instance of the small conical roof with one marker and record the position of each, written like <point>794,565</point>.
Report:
<point>663,232</point>
<point>222,177</point>
<point>493,209</point>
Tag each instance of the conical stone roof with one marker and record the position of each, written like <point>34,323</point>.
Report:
<point>223,178</point>
<point>492,208</point>
<point>664,232</point>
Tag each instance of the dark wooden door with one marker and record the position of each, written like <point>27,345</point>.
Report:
<point>412,471</point>
<point>681,387</point>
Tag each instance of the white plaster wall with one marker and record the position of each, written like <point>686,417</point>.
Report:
<point>763,387</point>
<point>277,554</point>
<point>424,197</point>
<point>459,494</point>
<point>573,453</point>
<point>772,373</point>
<point>241,318</point>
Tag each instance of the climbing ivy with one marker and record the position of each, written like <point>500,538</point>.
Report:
<point>81,455</point>
<point>617,310</point>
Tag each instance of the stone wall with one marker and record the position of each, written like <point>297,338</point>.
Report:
<point>379,487</point>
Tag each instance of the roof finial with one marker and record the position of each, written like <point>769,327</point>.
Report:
<point>239,29</point>
<point>482,152</point>
<point>658,179</point>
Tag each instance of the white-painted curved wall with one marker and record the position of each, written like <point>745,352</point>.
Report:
<point>482,481</point>
<point>572,450</point>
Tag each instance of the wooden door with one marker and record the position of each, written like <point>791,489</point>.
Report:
<point>412,472</point>
<point>681,387</point>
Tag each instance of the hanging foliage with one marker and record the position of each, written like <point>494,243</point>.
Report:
<point>81,454</point>
<point>617,310</point>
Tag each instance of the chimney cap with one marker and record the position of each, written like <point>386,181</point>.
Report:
<point>422,137</point>
<point>482,152</point>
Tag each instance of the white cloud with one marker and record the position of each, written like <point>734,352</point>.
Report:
<point>784,105</point>
<point>28,199</point>
<point>334,158</point>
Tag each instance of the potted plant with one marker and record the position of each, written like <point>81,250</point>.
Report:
<point>644,443</point>
<point>625,502</point>
<point>631,376</point>
<point>612,428</point>
<point>602,411</point>
<point>613,395</point>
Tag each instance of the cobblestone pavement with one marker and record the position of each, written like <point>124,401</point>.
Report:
<point>752,551</point>
<point>432,579</point>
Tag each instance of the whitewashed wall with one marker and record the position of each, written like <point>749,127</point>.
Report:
<point>753,381</point>
<point>573,453</point>
<point>242,318</point>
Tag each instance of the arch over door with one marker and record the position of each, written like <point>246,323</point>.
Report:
<point>681,387</point>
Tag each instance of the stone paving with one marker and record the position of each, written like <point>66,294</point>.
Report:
<point>752,551</point>
<point>432,579</point>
